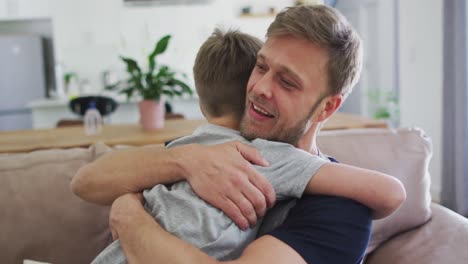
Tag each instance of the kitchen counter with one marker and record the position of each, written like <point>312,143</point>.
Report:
<point>46,113</point>
<point>59,102</point>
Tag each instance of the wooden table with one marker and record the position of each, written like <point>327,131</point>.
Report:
<point>133,134</point>
<point>349,121</point>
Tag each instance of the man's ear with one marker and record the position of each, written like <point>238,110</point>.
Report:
<point>329,106</point>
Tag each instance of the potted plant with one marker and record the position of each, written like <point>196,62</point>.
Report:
<point>152,84</point>
<point>384,105</point>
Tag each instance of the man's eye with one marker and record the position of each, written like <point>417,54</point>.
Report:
<point>286,83</point>
<point>261,67</point>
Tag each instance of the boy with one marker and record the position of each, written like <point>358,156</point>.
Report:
<point>222,69</point>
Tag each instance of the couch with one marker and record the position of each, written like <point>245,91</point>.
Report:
<point>42,220</point>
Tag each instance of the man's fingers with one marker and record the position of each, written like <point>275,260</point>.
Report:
<point>263,185</point>
<point>233,212</point>
<point>258,180</point>
<point>256,198</point>
<point>245,207</point>
<point>251,154</point>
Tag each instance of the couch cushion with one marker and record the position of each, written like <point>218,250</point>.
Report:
<point>403,153</point>
<point>41,219</point>
<point>442,240</point>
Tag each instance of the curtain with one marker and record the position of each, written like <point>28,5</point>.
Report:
<point>455,106</point>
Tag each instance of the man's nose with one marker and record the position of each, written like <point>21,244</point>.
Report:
<point>263,87</point>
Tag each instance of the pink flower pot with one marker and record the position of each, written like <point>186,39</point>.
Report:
<point>152,114</point>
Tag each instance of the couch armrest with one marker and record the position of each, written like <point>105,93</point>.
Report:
<point>441,240</point>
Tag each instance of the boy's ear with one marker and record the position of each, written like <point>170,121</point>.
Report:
<point>201,108</point>
<point>329,106</point>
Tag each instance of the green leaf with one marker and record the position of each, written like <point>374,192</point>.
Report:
<point>185,87</point>
<point>112,86</point>
<point>151,94</point>
<point>163,72</point>
<point>68,76</point>
<point>160,48</point>
<point>128,91</point>
<point>382,113</point>
<point>135,72</point>
<point>149,80</point>
<point>132,66</point>
<point>168,92</point>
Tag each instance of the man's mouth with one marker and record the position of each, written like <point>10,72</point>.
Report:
<point>260,111</point>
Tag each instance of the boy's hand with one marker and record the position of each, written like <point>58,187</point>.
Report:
<point>223,176</point>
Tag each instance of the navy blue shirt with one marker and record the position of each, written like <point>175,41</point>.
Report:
<point>327,229</point>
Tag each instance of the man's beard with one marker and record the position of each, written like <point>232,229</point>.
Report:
<point>291,135</point>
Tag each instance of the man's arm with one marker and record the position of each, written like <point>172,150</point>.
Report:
<point>220,174</point>
<point>126,171</point>
<point>380,192</point>
<point>319,229</point>
<point>144,241</point>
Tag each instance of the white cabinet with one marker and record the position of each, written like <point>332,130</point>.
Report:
<point>24,9</point>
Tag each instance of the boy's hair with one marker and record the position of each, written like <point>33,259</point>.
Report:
<point>222,69</point>
<point>329,29</point>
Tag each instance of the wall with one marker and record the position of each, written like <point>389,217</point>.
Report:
<point>421,73</point>
<point>89,35</point>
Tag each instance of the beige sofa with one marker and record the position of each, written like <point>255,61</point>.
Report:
<point>42,220</point>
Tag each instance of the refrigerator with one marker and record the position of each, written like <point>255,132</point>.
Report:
<point>22,78</point>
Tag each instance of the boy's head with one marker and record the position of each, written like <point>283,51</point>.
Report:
<point>222,69</point>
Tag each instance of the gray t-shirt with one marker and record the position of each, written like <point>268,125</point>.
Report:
<point>182,213</point>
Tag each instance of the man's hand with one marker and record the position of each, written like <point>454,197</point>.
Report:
<point>123,210</point>
<point>223,176</point>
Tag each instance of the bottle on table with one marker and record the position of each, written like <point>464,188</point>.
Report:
<point>92,120</point>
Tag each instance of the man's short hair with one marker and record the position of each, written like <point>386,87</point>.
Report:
<point>326,27</point>
<point>222,69</point>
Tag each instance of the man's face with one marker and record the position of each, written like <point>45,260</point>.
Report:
<point>285,88</point>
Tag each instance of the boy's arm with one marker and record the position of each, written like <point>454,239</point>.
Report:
<point>380,192</point>
<point>221,174</point>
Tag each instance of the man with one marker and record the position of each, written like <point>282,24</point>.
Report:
<point>308,65</point>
